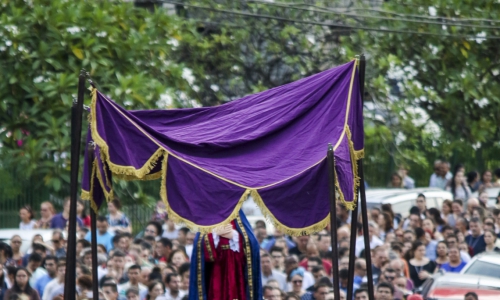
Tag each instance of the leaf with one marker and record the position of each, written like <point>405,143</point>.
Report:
<point>464,52</point>
<point>77,52</point>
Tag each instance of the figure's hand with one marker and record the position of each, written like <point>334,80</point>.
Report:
<point>229,235</point>
<point>224,230</point>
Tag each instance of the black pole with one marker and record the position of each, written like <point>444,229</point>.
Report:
<point>352,252</point>
<point>364,209</point>
<point>93,228</point>
<point>333,222</point>
<point>76,135</point>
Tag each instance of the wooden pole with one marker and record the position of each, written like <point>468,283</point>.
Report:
<point>76,135</point>
<point>352,252</point>
<point>333,223</point>
<point>93,228</point>
<point>364,209</point>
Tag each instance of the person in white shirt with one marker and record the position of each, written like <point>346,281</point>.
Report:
<point>374,240</point>
<point>27,218</point>
<point>169,230</point>
<point>56,284</point>
<point>133,274</point>
<point>173,284</point>
<point>269,273</point>
<point>34,266</point>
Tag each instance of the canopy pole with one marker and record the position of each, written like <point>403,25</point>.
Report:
<point>352,251</point>
<point>333,222</point>
<point>93,226</point>
<point>364,209</point>
<point>76,135</point>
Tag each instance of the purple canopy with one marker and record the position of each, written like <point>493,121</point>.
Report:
<point>271,146</point>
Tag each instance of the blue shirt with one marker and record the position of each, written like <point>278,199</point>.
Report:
<point>58,221</point>
<point>42,283</point>
<point>430,250</point>
<point>105,239</point>
<point>446,267</point>
<point>477,243</point>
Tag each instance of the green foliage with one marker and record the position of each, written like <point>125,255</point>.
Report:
<point>44,45</point>
<point>439,93</point>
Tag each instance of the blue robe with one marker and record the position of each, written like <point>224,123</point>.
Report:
<point>197,280</point>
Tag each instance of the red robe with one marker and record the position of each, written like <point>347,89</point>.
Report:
<point>224,269</point>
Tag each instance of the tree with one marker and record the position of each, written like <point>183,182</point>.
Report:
<point>44,44</point>
<point>443,85</point>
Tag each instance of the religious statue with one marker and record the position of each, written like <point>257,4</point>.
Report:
<point>225,264</point>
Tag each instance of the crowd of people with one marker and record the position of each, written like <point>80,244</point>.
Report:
<point>155,264</point>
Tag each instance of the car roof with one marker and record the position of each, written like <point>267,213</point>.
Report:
<point>492,192</point>
<point>6,234</point>
<point>455,279</point>
<point>395,195</point>
<point>492,258</point>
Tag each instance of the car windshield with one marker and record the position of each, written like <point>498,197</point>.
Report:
<point>484,268</point>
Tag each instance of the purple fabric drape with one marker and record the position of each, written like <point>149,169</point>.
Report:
<point>271,146</point>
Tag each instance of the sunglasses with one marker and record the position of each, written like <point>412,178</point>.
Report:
<point>297,281</point>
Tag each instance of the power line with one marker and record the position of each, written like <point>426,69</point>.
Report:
<point>245,14</point>
<point>426,17</point>
<point>332,11</point>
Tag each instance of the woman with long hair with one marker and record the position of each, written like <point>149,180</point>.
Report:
<point>156,289</point>
<point>473,181</point>
<point>81,213</point>
<point>385,224</point>
<point>429,226</point>
<point>457,212</point>
<point>396,218</point>
<point>458,187</point>
<point>420,266</point>
<point>21,286</point>
<point>446,209</point>
<point>47,211</point>
<point>27,216</point>
<point>434,214</point>
<point>486,180</point>
<point>117,220</point>
<point>441,254</point>
<point>490,238</point>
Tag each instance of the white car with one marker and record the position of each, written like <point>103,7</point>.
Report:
<point>26,236</point>
<point>485,264</point>
<point>492,195</point>
<point>402,200</point>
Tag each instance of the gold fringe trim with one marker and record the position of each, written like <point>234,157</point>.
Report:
<point>248,254</point>
<point>285,229</point>
<point>198,276</point>
<point>132,172</point>
<point>85,195</point>
<point>153,176</point>
<point>359,154</point>
<point>191,225</point>
<point>107,195</point>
